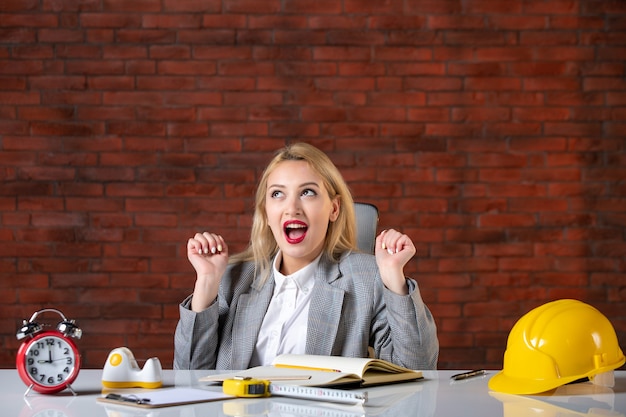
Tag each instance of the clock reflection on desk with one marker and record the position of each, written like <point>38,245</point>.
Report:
<point>46,407</point>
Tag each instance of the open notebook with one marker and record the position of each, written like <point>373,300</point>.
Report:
<point>322,371</point>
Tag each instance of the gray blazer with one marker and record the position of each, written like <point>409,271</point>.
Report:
<point>350,310</point>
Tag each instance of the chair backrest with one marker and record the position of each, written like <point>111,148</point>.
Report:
<point>366,225</point>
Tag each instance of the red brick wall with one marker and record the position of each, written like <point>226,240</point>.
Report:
<point>493,132</point>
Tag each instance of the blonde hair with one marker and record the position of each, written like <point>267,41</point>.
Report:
<point>341,234</point>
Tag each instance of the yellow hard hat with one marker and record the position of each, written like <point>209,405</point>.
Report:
<point>555,344</point>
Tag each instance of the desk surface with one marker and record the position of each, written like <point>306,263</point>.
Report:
<point>434,396</point>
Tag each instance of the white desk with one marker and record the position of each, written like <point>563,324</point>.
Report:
<point>434,396</point>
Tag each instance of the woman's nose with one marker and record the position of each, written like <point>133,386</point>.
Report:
<point>293,206</point>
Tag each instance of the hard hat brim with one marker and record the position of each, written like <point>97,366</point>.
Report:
<point>501,382</point>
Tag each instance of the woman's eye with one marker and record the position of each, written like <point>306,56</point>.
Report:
<point>308,193</point>
<point>276,194</point>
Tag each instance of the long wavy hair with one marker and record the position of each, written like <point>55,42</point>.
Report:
<point>341,234</point>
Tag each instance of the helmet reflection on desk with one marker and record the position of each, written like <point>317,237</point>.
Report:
<point>584,405</point>
<point>554,344</point>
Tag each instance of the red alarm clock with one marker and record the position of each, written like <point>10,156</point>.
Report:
<point>48,361</point>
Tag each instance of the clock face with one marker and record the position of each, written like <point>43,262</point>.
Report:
<point>49,361</point>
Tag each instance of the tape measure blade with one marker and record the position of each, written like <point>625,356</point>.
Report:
<point>319,393</point>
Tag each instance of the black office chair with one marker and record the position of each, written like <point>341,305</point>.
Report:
<point>366,224</point>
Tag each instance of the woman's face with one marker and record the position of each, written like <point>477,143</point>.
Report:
<point>298,210</point>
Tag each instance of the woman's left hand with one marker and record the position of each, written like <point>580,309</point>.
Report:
<point>393,251</point>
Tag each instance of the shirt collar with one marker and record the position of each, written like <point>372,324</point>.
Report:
<point>304,278</point>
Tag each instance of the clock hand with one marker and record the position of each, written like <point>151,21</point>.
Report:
<point>49,358</point>
<point>50,361</point>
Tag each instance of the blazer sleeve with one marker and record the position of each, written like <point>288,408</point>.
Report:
<point>412,330</point>
<point>196,336</point>
<point>400,328</point>
<point>203,340</point>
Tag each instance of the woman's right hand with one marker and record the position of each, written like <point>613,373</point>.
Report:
<point>208,254</point>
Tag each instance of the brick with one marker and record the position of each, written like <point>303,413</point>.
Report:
<point>573,53</point>
<point>351,129</point>
<point>138,6</point>
<point>19,98</point>
<point>60,35</point>
<point>416,69</point>
<point>29,20</point>
<point>237,129</point>
<point>476,236</point>
<point>389,83</point>
<point>448,220</point>
<point>428,114</point>
<point>150,36</point>
<point>186,68</point>
<point>345,53</point>
<point>519,22</point>
<point>456,98</point>
<point>252,7</point>
<point>289,22</point>
<point>19,5</point>
<point>66,129</point>
<point>455,22</point>
<point>433,83</point>
<point>368,114</point>
<point>450,250</point>
<point>411,130</point>
<point>264,37</point>
<point>433,6</point>
<point>551,83</point>
<point>504,54</point>
<point>46,113</point>
<point>482,114</point>
<point>507,220</point>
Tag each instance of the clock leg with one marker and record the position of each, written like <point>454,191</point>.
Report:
<point>28,390</point>
<point>72,390</point>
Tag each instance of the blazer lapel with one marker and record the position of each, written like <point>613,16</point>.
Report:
<point>325,310</point>
<point>250,313</point>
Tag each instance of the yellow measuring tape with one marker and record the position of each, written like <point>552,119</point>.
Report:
<point>246,387</point>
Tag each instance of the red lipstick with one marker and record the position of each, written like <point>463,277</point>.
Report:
<point>295,231</point>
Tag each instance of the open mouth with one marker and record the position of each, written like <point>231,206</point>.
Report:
<point>295,231</point>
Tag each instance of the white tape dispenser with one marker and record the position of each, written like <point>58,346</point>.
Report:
<point>121,371</point>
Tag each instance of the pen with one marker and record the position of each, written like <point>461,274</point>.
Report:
<point>470,374</point>
<point>307,368</point>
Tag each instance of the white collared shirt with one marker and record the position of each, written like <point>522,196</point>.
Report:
<point>284,327</point>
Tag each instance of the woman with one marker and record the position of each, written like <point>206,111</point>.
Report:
<point>301,286</point>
